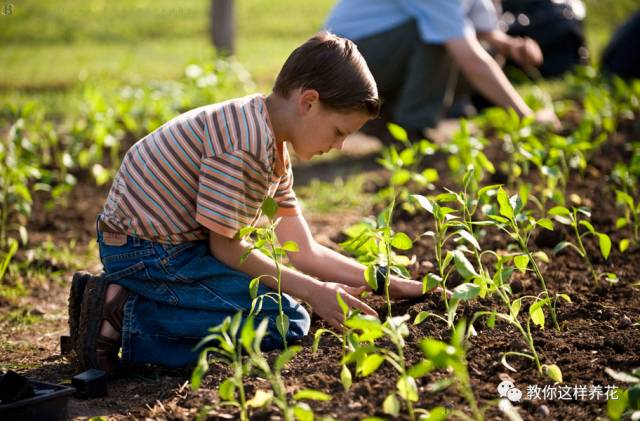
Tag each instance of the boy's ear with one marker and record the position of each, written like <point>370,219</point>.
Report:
<point>308,99</point>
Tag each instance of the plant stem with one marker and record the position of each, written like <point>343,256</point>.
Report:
<point>278,279</point>
<point>584,251</point>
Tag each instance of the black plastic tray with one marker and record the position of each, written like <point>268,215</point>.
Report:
<point>49,404</point>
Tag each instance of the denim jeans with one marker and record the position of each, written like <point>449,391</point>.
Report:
<point>178,291</point>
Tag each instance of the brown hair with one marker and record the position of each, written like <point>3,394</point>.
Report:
<point>333,66</point>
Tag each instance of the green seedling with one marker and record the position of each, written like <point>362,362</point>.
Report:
<point>373,243</point>
<point>266,242</point>
<point>368,358</point>
<point>467,152</point>
<point>631,219</point>
<point>499,285</point>
<point>519,225</point>
<point>448,226</point>
<point>405,166</point>
<point>627,404</point>
<point>452,356</point>
<point>347,340</point>
<point>573,219</point>
<point>229,350</point>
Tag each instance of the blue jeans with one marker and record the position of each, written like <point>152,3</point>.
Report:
<point>178,292</point>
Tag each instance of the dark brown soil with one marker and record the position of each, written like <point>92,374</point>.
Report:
<point>599,328</point>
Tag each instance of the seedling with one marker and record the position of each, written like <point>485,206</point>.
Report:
<point>572,218</point>
<point>229,350</point>
<point>267,242</point>
<point>631,218</point>
<point>627,404</point>
<point>519,225</point>
<point>373,243</point>
<point>347,339</point>
<point>368,358</point>
<point>499,284</point>
<point>452,356</point>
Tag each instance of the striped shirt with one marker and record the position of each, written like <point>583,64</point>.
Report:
<point>207,169</point>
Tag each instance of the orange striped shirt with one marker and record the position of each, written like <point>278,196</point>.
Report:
<point>207,169</point>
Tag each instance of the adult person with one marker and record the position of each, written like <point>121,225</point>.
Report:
<point>414,49</point>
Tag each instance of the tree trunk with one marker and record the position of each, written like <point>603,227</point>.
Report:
<point>223,26</point>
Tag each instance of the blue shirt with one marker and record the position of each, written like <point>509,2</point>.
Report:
<point>438,20</point>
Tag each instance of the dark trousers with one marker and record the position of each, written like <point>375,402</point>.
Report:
<point>415,80</point>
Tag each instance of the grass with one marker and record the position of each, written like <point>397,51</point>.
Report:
<point>321,197</point>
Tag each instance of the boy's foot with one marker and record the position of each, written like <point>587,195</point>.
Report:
<point>100,326</point>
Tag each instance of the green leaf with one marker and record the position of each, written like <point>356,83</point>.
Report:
<point>617,407</point>
<point>466,291</point>
<point>260,399</point>
<point>303,412</point>
<point>521,262</point>
<point>248,333</point>
<point>253,287</point>
<point>370,276</point>
<point>423,368</point>
<point>400,177</point>
<point>463,266</point>
<point>588,226</point>
<point>561,246</point>
<point>624,245</point>
<point>515,307</point>
<point>564,297</point>
<point>430,281</point>
<point>545,223</point>
<point>559,210</point>
<point>391,405</point>
<point>269,207</point>
<point>470,238</point>
<point>537,314</point>
<point>343,306</point>
<point>285,356</point>
<point>421,317</point>
<point>505,206</point>
<point>401,241</point>
<point>290,246</point>
<point>424,202</point>
<point>314,395</point>
<point>553,372</point>
<point>621,223</point>
<point>407,388</point>
<point>345,377</point>
<point>370,364</point>
<point>282,324</point>
<point>605,244</point>
<point>439,413</point>
<point>398,132</point>
<point>227,390</point>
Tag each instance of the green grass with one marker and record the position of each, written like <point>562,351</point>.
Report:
<point>342,194</point>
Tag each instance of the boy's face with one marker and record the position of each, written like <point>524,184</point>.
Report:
<point>320,129</point>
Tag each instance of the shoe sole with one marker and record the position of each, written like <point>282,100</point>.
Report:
<point>78,285</point>
<point>90,323</point>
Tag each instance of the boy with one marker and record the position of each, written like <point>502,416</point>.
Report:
<point>167,232</point>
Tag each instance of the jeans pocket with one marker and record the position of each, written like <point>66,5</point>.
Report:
<point>180,256</point>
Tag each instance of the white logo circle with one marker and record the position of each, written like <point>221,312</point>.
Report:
<point>507,389</point>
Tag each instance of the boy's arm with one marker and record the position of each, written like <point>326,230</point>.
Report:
<point>321,296</point>
<point>329,265</point>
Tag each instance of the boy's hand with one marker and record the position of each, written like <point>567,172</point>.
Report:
<point>324,303</point>
<point>407,288</point>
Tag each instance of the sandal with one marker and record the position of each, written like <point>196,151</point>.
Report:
<point>78,284</point>
<point>94,350</point>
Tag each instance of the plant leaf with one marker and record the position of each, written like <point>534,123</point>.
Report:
<point>545,223</point>
<point>260,399</point>
<point>504,205</point>
<point>407,388</point>
<point>314,395</point>
<point>290,246</point>
<point>401,241</point>
<point>470,238</point>
<point>269,207</point>
<point>463,266</point>
<point>605,244</point>
<point>227,390</point>
<point>553,372</point>
<point>466,291</point>
<point>391,405</point>
<point>370,364</point>
<point>345,377</point>
<point>521,262</point>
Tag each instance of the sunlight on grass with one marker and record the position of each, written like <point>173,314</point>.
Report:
<point>337,196</point>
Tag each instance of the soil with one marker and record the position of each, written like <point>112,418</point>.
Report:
<point>598,328</point>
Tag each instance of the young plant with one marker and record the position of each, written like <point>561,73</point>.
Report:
<point>572,218</point>
<point>452,356</point>
<point>347,340</point>
<point>227,349</point>
<point>519,225</point>
<point>266,242</point>
<point>373,242</point>
<point>631,219</point>
<point>368,357</point>
<point>448,226</point>
<point>499,285</point>
<point>230,350</point>
<point>627,404</point>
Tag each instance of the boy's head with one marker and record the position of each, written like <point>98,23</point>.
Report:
<point>334,92</point>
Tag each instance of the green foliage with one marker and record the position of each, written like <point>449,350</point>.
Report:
<point>627,404</point>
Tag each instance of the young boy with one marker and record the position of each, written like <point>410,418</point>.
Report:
<point>167,232</point>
